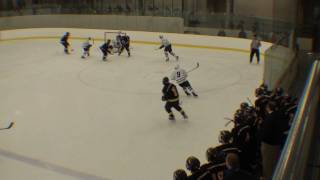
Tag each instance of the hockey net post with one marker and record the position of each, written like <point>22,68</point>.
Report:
<point>112,35</point>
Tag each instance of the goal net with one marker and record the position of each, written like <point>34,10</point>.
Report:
<point>115,42</point>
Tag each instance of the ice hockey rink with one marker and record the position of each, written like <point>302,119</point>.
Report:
<point>89,119</point>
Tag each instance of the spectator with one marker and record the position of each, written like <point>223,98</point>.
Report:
<point>242,34</point>
<point>222,33</point>
<point>233,171</point>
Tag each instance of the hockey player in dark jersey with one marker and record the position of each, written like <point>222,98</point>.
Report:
<point>215,166</point>
<point>225,138</point>
<point>193,165</point>
<point>171,96</point>
<point>180,174</point>
<point>65,42</point>
<point>106,49</point>
<point>125,44</point>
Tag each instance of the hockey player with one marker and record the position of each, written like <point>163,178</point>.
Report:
<point>125,43</point>
<point>64,41</point>
<point>180,76</point>
<point>117,43</point>
<point>86,47</point>
<point>106,49</point>
<point>193,165</point>
<point>180,174</point>
<point>171,96</point>
<point>167,48</point>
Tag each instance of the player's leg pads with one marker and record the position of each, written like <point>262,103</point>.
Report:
<point>176,106</point>
<point>166,54</point>
<point>168,107</point>
<point>172,53</point>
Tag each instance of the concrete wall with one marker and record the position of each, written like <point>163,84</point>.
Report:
<point>254,8</point>
<point>282,10</point>
<point>142,23</point>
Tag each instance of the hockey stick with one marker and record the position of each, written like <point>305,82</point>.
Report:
<point>229,121</point>
<point>10,126</point>
<point>197,66</point>
<point>250,102</point>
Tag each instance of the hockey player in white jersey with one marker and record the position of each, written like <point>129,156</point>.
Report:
<point>167,48</point>
<point>180,76</point>
<point>86,47</point>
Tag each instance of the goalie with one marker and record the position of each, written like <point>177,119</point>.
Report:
<point>180,76</point>
<point>125,44</point>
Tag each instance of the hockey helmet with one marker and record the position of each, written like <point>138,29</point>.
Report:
<point>165,80</point>
<point>225,137</point>
<point>180,174</point>
<point>212,154</point>
<point>264,86</point>
<point>177,67</point>
<point>192,163</point>
<point>259,92</point>
<point>67,33</point>
<point>160,36</point>
<point>244,105</point>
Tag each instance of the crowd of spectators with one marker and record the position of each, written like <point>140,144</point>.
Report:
<point>250,150</point>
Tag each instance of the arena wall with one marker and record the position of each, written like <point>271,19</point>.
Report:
<point>139,23</point>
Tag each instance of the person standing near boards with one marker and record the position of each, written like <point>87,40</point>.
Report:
<point>255,45</point>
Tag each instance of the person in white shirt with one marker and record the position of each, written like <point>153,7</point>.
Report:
<point>167,48</point>
<point>180,76</point>
<point>86,47</point>
<point>255,45</point>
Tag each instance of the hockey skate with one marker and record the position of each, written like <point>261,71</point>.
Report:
<point>177,58</point>
<point>184,115</point>
<point>187,93</point>
<point>194,94</point>
<point>171,117</point>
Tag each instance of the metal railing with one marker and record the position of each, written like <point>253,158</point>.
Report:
<point>294,158</point>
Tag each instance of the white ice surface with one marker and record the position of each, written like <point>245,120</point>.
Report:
<point>107,118</point>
